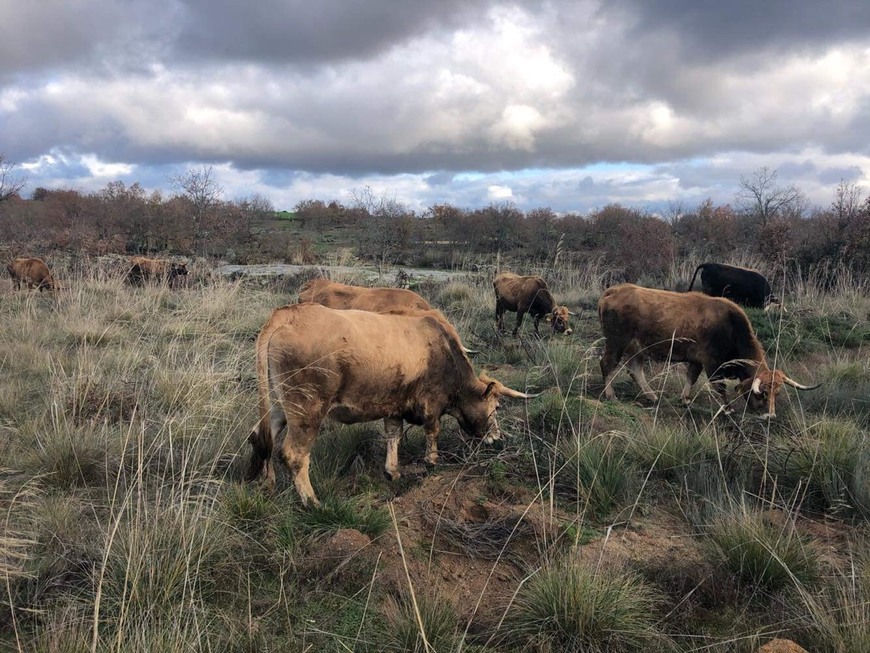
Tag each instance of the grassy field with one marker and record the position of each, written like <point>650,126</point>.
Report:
<point>594,526</point>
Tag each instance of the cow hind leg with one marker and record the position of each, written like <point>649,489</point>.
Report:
<point>635,368</point>
<point>693,371</point>
<point>393,430</point>
<point>296,449</point>
<point>432,430</point>
<point>499,315</point>
<point>609,362</point>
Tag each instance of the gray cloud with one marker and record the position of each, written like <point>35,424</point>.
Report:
<point>286,95</point>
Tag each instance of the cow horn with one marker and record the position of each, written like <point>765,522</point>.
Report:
<point>756,386</point>
<point>470,352</point>
<point>571,313</point>
<point>799,386</point>
<point>516,394</point>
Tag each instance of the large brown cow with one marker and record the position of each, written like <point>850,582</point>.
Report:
<point>375,300</point>
<point>144,269</point>
<point>32,271</point>
<point>528,295</point>
<point>315,362</point>
<point>708,333</point>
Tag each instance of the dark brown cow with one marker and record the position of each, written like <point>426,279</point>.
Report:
<point>31,271</point>
<point>708,333</point>
<point>375,300</point>
<point>528,295</point>
<point>144,269</point>
<point>315,362</point>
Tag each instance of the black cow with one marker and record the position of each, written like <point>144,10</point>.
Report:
<point>740,285</point>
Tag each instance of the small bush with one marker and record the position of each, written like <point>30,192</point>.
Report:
<point>568,606</point>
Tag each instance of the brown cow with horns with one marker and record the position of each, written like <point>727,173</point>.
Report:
<point>528,295</point>
<point>315,362</point>
<point>709,334</point>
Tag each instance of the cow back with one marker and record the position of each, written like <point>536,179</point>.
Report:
<point>345,297</point>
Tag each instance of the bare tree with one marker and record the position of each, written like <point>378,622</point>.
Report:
<point>762,198</point>
<point>200,187</point>
<point>387,225</point>
<point>847,200</point>
<point>10,182</point>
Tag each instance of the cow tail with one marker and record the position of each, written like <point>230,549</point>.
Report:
<point>261,435</point>
<point>697,269</point>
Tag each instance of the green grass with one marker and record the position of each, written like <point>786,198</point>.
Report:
<point>124,416</point>
<point>569,605</point>
<point>761,553</point>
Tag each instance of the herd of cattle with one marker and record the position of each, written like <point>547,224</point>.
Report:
<point>359,354</point>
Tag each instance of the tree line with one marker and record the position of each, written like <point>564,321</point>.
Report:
<point>767,221</point>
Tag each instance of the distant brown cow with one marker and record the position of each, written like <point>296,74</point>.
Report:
<point>709,334</point>
<point>315,362</point>
<point>343,297</point>
<point>32,271</point>
<point>528,295</point>
<point>144,269</point>
<point>375,300</point>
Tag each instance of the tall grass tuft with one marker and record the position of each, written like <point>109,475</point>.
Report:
<point>833,460</point>
<point>572,607</point>
<point>761,553</point>
<point>595,474</point>
<point>671,450</point>
<point>431,625</point>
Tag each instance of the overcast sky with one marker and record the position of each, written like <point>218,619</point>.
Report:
<point>569,104</point>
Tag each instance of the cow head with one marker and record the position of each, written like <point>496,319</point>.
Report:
<point>762,389</point>
<point>774,302</point>
<point>476,412</point>
<point>559,320</point>
<point>178,270</point>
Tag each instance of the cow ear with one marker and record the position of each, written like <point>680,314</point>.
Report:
<point>489,389</point>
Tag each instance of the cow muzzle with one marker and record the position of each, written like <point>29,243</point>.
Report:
<point>493,432</point>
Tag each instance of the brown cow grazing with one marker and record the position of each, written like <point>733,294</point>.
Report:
<point>375,300</point>
<point>315,362</point>
<point>144,269</point>
<point>708,333</point>
<point>528,295</point>
<point>32,271</point>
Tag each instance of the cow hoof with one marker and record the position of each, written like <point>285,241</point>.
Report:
<point>432,460</point>
<point>392,476</point>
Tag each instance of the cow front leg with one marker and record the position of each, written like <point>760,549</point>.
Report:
<point>432,430</point>
<point>520,314</point>
<point>719,385</point>
<point>693,371</point>
<point>393,430</point>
